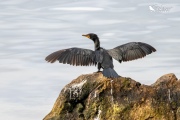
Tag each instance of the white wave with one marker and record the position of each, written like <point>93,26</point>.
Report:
<point>105,22</point>
<point>78,8</point>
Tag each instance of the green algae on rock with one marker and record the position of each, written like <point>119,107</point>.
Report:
<point>94,97</point>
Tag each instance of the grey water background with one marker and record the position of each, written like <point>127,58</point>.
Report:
<point>32,29</point>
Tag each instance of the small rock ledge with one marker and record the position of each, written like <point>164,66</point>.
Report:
<point>94,97</point>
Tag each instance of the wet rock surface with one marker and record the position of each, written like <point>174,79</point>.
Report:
<point>94,97</point>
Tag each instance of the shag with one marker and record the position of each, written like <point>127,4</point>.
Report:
<point>100,56</point>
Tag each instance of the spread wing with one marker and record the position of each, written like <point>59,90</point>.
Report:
<point>73,56</point>
<point>131,51</point>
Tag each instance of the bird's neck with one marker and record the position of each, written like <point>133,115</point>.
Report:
<point>96,44</point>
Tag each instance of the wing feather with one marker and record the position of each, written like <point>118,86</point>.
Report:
<point>77,59</point>
<point>131,51</point>
<point>73,56</point>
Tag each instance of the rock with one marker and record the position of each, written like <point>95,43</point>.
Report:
<point>94,97</point>
<point>167,80</point>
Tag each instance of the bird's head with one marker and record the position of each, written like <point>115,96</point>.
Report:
<point>91,36</point>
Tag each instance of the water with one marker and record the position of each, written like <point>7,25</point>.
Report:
<point>30,30</point>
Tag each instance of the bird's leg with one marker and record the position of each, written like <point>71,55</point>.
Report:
<point>99,67</point>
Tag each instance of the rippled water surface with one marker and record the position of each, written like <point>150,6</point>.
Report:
<point>30,30</point>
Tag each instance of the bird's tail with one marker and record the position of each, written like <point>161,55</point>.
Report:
<point>110,73</point>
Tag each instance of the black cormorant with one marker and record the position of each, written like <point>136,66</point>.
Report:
<point>100,56</point>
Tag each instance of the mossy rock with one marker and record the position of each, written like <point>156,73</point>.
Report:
<point>93,96</point>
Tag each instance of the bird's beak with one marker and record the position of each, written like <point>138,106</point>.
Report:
<point>88,36</point>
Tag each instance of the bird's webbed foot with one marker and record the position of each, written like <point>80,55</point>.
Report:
<point>99,67</point>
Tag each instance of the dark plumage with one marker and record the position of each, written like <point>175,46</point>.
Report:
<point>102,57</point>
